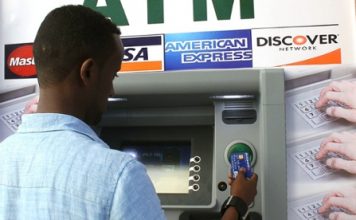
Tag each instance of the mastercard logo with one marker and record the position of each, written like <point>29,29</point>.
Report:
<point>21,62</point>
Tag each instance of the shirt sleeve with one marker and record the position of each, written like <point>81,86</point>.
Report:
<point>135,196</point>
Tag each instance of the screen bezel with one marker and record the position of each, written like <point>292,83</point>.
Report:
<point>201,138</point>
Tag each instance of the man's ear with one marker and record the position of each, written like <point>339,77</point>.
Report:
<point>88,71</point>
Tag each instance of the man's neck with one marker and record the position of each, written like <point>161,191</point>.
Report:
<point>61,100</point>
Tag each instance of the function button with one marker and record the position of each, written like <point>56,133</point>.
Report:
<point>222,186</point>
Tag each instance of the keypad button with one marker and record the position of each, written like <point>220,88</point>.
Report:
<point>303,209</point>
<point>312,114</point>
<point>300,155</point>
<point>318,120</point>
<point>306,109</point>
<point>313,165</point>
<point>307,160</point>
<point>308,214</point>
<point>327,117</point>
<point>319,171</point>
<point>310,101</point>
<point>301,104</point>
<point>313,206</point>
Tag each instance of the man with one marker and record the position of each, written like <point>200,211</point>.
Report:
<point>55,166</point>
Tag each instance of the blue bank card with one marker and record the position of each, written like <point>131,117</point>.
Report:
<point>240,160</point>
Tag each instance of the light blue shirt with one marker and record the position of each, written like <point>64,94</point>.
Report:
<point>56,167</point>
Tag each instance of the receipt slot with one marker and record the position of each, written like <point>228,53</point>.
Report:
<point>184,125</point>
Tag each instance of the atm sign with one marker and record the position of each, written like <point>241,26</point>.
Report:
<point>19,61</point>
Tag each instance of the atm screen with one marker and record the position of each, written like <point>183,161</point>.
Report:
<point>167,163</point>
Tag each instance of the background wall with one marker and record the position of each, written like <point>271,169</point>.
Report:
<point>21,19</point>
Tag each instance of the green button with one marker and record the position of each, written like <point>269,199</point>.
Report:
<point>240,148</point>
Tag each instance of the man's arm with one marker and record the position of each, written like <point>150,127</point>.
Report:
<point>135,196</point>
<point>245,191</point>
<point>230,214</point>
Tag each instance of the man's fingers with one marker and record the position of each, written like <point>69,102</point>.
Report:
<point>254,177</point>
<point>241,174</point>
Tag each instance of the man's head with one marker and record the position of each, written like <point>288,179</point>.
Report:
<point>79,48</point>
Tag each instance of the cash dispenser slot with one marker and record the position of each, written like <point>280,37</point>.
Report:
<point>239,116</point>
<point>238,109</point>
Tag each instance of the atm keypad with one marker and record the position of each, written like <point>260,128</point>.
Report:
<point>12,119</point>
<point>313,167</point>
<point>310,211</point>
<point>315,118</point>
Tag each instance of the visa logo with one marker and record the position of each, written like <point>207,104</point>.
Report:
<point>143,54</point>
<point>135,54</point>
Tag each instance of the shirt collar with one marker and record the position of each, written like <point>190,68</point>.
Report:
<point>44,122</point>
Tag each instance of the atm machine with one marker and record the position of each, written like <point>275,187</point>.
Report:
<point>184,125</point>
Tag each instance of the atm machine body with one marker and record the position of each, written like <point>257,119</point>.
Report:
<point>183,125</point>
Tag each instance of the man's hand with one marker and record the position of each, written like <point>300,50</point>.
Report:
<point>244,188</point>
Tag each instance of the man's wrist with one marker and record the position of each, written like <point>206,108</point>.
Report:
<point>236,202</point>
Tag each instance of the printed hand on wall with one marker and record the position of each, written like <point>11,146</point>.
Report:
<point>345,200</point>
<point>344,146</point>
<point>31,106</point>
<point>339,149</point>
<point>344,94</point>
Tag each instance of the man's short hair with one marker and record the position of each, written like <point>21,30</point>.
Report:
<point>69,35</point>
